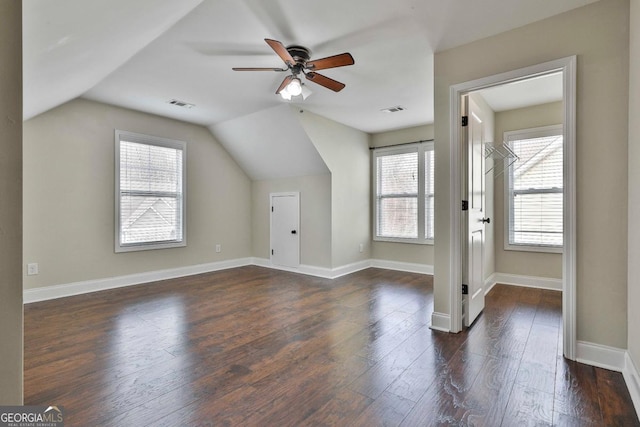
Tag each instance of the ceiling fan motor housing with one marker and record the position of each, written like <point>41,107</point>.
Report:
<point>300,54</point>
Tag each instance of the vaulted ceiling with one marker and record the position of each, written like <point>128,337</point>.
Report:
<point>140,54</point>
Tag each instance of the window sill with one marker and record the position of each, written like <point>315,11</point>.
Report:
<point>406,241</point>
<point>150,246</point>
<point>531,248</point>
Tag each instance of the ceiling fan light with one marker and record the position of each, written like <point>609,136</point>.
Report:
<point>294,87</point>
<point>285,94</point>
<point>306,92</point>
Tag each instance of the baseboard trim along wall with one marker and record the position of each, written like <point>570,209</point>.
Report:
<point>526,281</point>
<point>77,288</point>
<point>632,378</point>
<point>613,359</point>
<point>311,270</point>
<point>84,287</point>
<point>601,356</point>
<point>440,322</point>
<point>402,266</point>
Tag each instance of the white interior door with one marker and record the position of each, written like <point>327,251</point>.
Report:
<point>474,302</point>
<point>285,229</point>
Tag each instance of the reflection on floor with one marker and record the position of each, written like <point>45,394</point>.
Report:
<point>253,346</point>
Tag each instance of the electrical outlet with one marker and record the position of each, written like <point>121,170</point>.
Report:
<point>218,248</point>
<point>32,269</point>
<point>361,247</point>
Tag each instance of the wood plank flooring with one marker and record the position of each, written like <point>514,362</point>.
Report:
<point>257,347</point>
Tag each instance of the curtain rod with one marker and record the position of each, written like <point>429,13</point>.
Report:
<point>404,143</point>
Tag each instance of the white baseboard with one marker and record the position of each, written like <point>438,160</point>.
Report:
<point>526,281</point>
<point>440,322</point>
<point>310,270</point>
<point>402,266</point>
<point>350,268</point>
<point>613,359</point>
<point>489,283</point>
<point>632,378</point>
<point>602,356</point>
<point>77,288</point>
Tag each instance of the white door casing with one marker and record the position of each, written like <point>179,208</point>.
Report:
<point>285,229</point>
<point>568,67</point>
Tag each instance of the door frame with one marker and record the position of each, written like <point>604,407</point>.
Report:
<point>295,194</point>
<point>567,66</point>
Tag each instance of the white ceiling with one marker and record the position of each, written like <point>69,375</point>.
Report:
<point>140,54</point>
<point>524,93</point>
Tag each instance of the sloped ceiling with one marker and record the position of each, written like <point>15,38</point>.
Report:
<point>141,54</point>
<point>71,45</point>
<point>270,144</point>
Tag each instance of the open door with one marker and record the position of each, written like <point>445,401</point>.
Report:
<point>473,265</point>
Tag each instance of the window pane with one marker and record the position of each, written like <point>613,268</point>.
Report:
<point>146,219</point>
<point>150,168</point>
<point>404,193</point>
<point>398,174</point>
<point>537,219</point>
<point>540,163</point>
<point>151,201</point>
<point>536,192</point>
<point>398,217</point>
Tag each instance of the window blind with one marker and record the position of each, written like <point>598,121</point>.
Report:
<point>429,194</point>
<point>535,190</point>
<point>397,195</point>
<point>150,194</point>
<point>404,193</point>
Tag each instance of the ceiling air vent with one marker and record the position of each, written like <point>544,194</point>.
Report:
<point>181,103</point>
<point>393,109</point>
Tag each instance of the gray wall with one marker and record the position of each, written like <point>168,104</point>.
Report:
<point>599,35</point>
<point>517,262</point>
<point>315,217</point>
<point>392,251</point>
<point>69,196</point>
<point>11,341</point>
<point>634,186</point>
<point>345,151</point>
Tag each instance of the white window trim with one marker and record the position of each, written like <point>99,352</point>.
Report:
<point>160,142</point>
<point>421,148</point>
<point>537,132</point>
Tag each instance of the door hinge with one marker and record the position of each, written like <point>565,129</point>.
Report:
<point>465,205</point>
<point>465,289</point>
<point>271,208</point>
<point>271,251</point>
<point>465,120</point>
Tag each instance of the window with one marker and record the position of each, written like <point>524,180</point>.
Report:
<point>404,197</point>
<point>150,192</point>
<point>534,190</point>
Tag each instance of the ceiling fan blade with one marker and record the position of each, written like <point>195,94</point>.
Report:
<point>281,51</point>
<point>330,62</point>
<point>257,69</point>
<point>284,84</point>
<point>325,81</point>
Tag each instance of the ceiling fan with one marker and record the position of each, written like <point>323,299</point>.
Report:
<point>297,60</point>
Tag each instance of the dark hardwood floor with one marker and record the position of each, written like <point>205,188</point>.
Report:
<point>253,346</point>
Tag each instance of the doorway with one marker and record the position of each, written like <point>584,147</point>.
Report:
<point>458,230</point>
